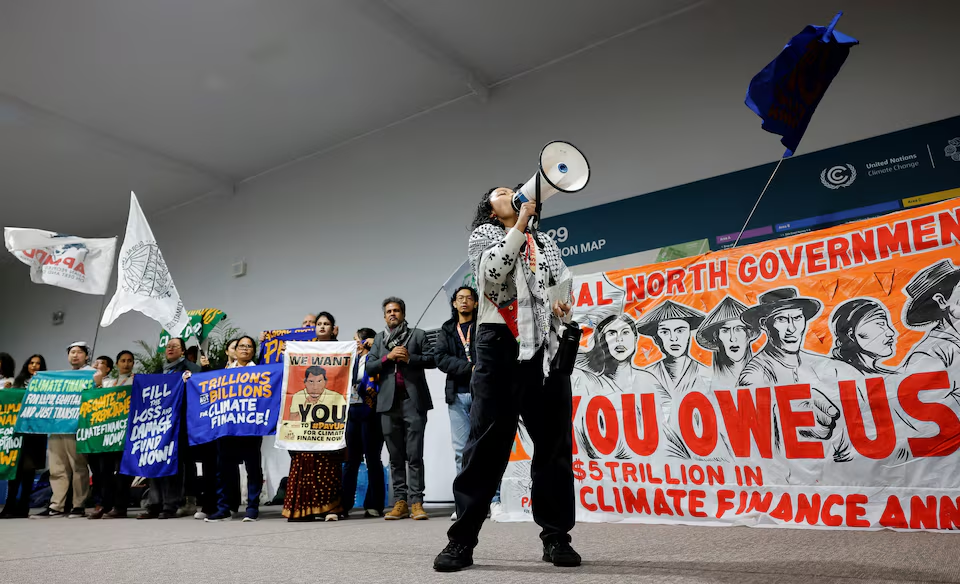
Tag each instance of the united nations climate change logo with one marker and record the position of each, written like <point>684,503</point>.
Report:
<point>838,176</point>
<point>952,150</point>
<point>144,271</point>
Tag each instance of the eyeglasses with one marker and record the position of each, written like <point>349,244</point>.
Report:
<point>244,346</point>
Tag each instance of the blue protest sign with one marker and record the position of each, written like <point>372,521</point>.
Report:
<point>788,90</point>
<point>274,342</point>
<point>52,402</point>
<point>243,401</point>
<point>153,427</point>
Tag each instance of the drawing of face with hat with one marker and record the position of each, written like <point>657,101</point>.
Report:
<point>783,315</point>
<point>725,333</point>
<point>933,295</point>
<point>669,325</point>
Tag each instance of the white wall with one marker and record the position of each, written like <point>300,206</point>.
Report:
<point>387,214</point>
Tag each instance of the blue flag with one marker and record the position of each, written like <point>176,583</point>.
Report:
<point>243,401</point>
<point>787,91</point>
<point>153,427</point>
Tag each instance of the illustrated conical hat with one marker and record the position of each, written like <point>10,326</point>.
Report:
<point>921,309</point>
<point>780,299</point>
<point>668,310</point>
<point>729,309</point>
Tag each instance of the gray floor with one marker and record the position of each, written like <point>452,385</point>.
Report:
<point>183,551</point>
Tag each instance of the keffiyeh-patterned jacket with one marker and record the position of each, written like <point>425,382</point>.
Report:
<point>518,282</point>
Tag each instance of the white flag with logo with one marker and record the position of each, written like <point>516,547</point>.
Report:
<point>144,283</point>
<point>75,263</point>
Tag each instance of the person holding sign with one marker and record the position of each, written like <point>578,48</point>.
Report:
<point>67,466</point>
<point>314,485</point>
<point>115,486</point>
<point>235,450</point>
<point>33,452</point>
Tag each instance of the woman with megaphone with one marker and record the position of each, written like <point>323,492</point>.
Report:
<point>525,293</point>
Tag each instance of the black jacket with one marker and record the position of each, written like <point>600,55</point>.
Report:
<point>452,359</point>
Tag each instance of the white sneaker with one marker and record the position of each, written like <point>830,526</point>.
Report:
<point>331,517</point>
<point>496,509</point>
<point>454,516</point>
<point>200,515</point>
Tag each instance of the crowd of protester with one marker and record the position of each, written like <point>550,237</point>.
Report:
<point>388,405</point>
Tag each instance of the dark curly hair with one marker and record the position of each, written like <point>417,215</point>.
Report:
<point>484,212</point>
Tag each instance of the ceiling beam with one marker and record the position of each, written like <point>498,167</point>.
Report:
<point>111,142</point>
<point>393,19</point>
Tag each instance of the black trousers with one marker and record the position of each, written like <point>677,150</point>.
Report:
<point>504,389</point>
<point>112,489</point>
<point>19,491</point>
<point>232,451</point>
<point>364,441</point>
<point>206,455</point>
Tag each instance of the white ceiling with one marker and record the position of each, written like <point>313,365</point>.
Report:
<point>178,98</point>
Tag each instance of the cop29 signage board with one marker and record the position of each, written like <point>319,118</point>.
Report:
<point>863,179</point>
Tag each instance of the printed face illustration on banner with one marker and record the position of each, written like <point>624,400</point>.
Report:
<point>788,382</point>
<point>317,379</point>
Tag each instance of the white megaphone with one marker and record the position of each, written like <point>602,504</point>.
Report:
<point>563,169</point>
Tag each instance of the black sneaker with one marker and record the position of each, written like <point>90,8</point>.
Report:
<point>561,554</point>
<point>76,513</point>
<point>453,558</point>
<point>47,513</point>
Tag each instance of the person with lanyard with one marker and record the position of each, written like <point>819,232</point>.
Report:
<point>233,451</point>
<point>456,354</point>
<point>314,485</point>
<point>525,293</point>
<point>364,435</point>
<point>114,487</point>
<point>33,453</point>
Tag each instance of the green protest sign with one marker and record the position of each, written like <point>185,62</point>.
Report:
<point>201,323</point>
<point>10,443</point>
<point>103,419</point>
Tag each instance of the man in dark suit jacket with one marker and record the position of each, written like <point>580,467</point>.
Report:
<point>399,356</point>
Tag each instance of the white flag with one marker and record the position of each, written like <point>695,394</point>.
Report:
<point>75,263</point>
<point>144,283</point>
<point>462,277</point>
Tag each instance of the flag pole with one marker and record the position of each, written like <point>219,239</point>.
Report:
<point>103,306</point>
<point>427,308</point>
<point>757,204</point>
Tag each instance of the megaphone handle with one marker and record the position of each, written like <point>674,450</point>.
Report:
<point>535,220</point>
